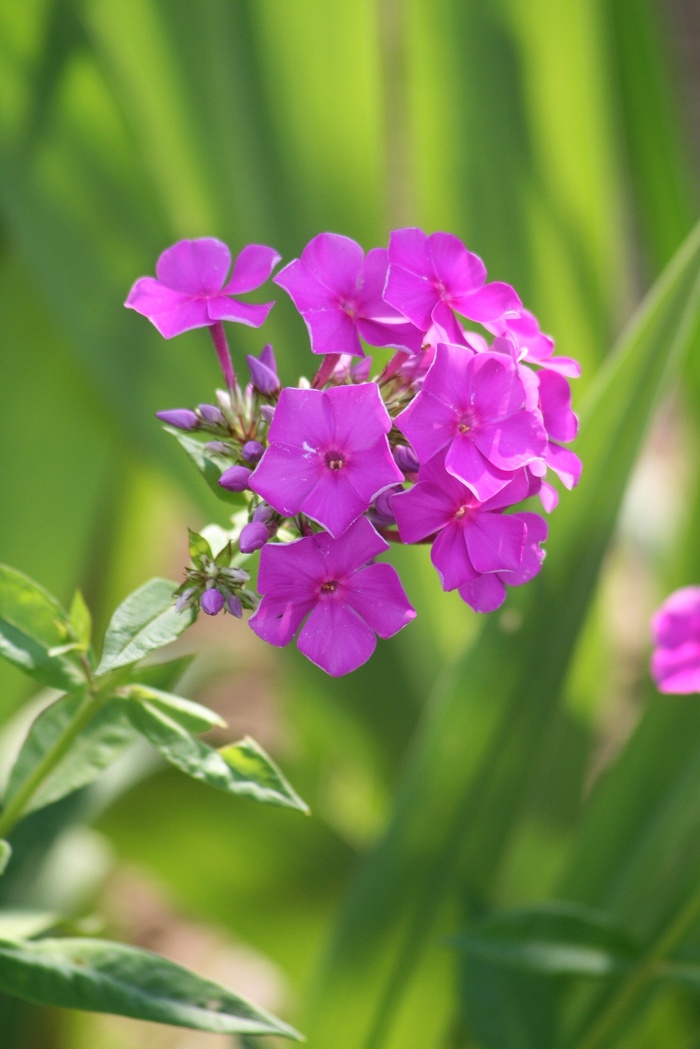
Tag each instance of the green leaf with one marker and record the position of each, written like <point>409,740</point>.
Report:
<point>24,924</point>
<point>145,621</point>
<point>80,619</point>
<point>210,465</point>
<point>162,675</point>
<point>5,855</point>
<point>555,939</point>
<point>199,548</point>
<point>105,736</point>
<point>104,977</point>
<point>193,717</point>
<point>241,768</point>
<point>32,623</point>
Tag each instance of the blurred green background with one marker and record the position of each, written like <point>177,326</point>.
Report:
<point>556,139</point>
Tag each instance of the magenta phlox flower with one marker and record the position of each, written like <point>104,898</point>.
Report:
<point>487,592</point>
<point>190,288</point>
<point>675,628</point>
<point>473,405</point>
<point>328,456</point>
<point>471,537</point>
<point>433,277</point>
<point>338,292</point>
<point>329,584</point>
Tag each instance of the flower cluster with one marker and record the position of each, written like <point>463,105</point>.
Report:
<point>461,425</point>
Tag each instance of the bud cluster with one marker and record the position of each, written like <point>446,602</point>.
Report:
<point>461,425</point>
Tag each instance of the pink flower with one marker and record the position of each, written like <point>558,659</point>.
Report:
<point>328,585</point>
<point>338,292</point>
<point>473,405</point>
<point>433,277</point>
<point>189,289</point>
<point>328,456</point>
<point>675,627</point>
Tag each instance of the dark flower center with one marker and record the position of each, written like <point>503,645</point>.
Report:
<point>335,460</point>
<point>329,587</point>
<point>467,422</point>
<point>459,514</point>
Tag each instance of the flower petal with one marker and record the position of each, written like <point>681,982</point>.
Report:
<point>280,614</point>
<point>221,308</point>
<point>197,267</point>
<point>486,593</point>
<point>252,268</point>
<point>495,541</point>
<point>171,312</point>
<point>376,594</point>
<point>336,639</point>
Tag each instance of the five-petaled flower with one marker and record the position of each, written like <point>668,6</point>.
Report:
<point>189,290</point>
<point>344,599</point>
<point>328,455</point>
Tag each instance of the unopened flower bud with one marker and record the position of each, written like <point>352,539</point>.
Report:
<point>262,513</point>
<point>233,576</point>
<point>263,372</point>
<point>253,536</point>
<point>185,599</point>
<point>218,447</point>
<point>210,414</point>
<point>180,418</point>
<point>235,479</point>
<point>212,601</point>
<point>268,412</point>
<point>405,459</point>
<point>234,606</point>
<point>252,451</point>
<point>381,513</point>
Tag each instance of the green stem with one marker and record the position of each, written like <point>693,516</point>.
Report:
<point>15,810</point>
<point>637,980</point>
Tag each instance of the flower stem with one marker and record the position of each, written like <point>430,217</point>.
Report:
<point>15,810</point>
<point>325,370</point>
<point>216,330</point>
<point>636,981</point>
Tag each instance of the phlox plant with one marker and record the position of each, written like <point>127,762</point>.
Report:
<point>442,446</point>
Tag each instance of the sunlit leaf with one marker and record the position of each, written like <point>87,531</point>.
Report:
<point>190,715</point>
<point>111,978</point>
<point>144,622</point>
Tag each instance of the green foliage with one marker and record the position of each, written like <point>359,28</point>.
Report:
<point>145,621</point>
<point>112,978</point>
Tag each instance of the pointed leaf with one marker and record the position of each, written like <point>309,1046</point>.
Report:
<point>241,768</point>
<point>554,939</point>
<point>199,548</point>
<point>25,924</point>
<point>162,675</point>
<point>105,736</point>
<point>193,717</point>
<point>145,621</point>
<point>80,619</point>
<point>104,977</point>
<point>32,623</point>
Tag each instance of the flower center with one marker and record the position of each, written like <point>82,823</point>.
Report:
<point>459,514</point>
<point>466,422</point>
<point>335,460</point>
<point>349,306</point>
<point>329,587</point>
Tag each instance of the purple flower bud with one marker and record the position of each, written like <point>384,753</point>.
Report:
<point>235,479</point>
<point>405,459</point>
<point>234,606</point>
<point>381,513</point>
<point>263,371</point>
<point>252,451</point>
<point>263,513</point>
<point>253,536</point>
<point>268,412</point>
<point>209,413</point>
<point>234,576</point>
<point>218,447</point>
<point>212,601</point>
<point>185,599</point>
<point>180,418</point>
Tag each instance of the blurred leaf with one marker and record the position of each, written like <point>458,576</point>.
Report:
<point>105,736</point>
<point>145,621</point>
<point>191,716</point>
<point>111,978</point>
<point>241,768</point>
<point>163,675</point>
<point>5,855</point>
<point>81,620</point>
<point>199,548</point>
<point>554,939</point>
<point>31,624</point>
<point>25,924</point>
